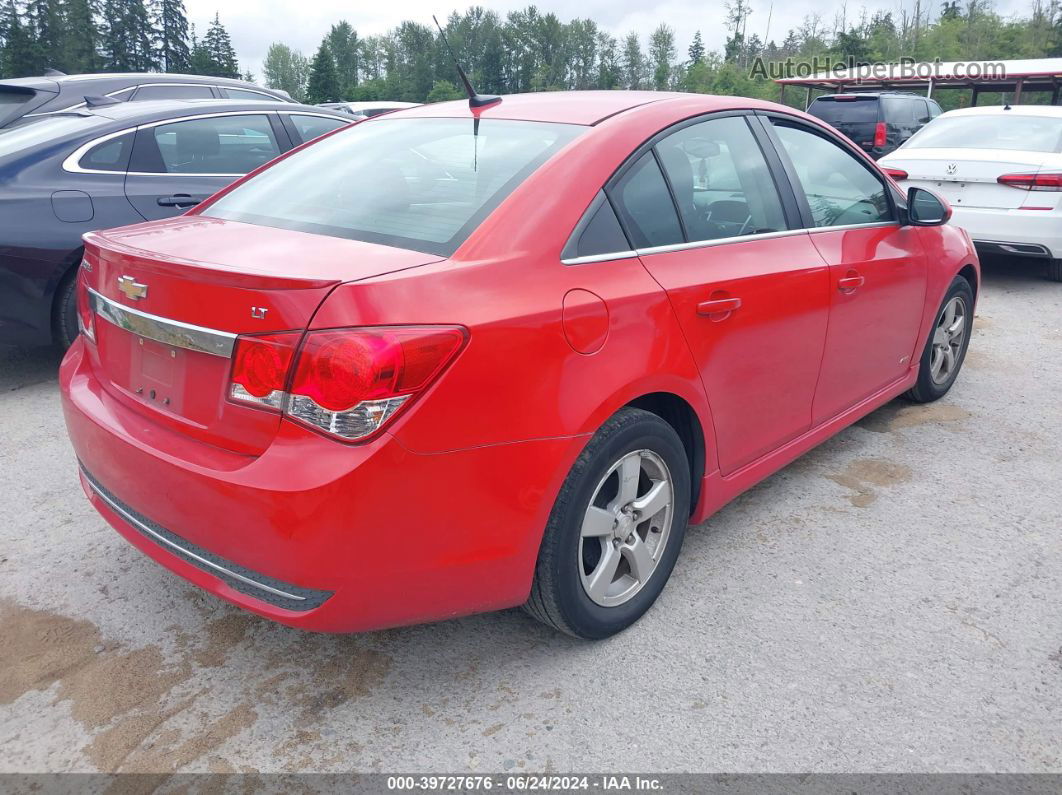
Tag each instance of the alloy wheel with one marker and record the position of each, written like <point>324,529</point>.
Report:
<point>948,338</point>
<point>625,528</point>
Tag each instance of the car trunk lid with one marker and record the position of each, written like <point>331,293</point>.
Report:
<point>967,177</point>
<point>171,297</point>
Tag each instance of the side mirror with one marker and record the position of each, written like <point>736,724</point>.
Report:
<point>925,208</point>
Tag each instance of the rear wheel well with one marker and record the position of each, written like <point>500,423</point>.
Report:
<point>67,275</point>
<point>969,273</point>
<point>680,415</point>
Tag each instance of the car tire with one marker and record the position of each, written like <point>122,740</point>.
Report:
<point>946,347</point>
<point>1054,270</point>
<point>64,320</point>
<point>623,580</point>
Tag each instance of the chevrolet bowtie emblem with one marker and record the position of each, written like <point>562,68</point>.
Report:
<point>131,288</point>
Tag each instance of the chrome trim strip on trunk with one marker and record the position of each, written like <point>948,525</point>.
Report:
<point>160,329</point>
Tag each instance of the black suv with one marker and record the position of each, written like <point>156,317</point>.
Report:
<point>32,96</point>
<point>877,122</point>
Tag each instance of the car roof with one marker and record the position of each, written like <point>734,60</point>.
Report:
<point>134,77</point>
<point>1016,110</point>
<point>566,107</point>
<point>847,94</point>
<point>160,108</point>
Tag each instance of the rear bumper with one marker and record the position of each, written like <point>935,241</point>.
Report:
<point>1032,233</point>
<point>368,536</point>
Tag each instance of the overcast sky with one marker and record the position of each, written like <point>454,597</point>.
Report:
<point>255,24</point>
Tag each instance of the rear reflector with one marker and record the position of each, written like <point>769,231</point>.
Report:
<point>345,382</point>
<point>1045,182</point>
<point>879,134</point>
<point>897,174</point>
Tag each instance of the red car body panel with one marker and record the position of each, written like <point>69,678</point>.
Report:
<point>442,513</point>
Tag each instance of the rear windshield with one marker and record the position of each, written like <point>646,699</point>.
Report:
<point>33,133</point>
<point>845,111</point>
<point>1005,131</point>
<point>421,184</point>
<point>11,101</point>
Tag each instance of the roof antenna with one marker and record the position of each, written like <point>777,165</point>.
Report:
<point>474,100</point>
<point>93,101</point>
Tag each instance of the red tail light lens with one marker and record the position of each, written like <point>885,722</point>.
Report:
<point>260,367</point>
<point>346,382</point>
<point>879,134</point>
<point>1046,182</point>
<point>86,320</point>
<point>897,174</point>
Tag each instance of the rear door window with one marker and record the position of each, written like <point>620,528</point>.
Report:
<point>243,93</point>
<point>228,145</point>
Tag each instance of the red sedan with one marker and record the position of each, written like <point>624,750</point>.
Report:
<point>458,359</point>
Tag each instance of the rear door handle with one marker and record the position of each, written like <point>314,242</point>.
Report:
<point>178,200</point>
<point>850,282</point>
<point>718,306</point>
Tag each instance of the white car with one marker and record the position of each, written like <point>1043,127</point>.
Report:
<point>366,109</point>
<point>1000,168</point>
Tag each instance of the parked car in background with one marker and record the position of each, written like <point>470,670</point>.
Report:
<point>65,174</point>
<point>458,359</point>
<point>1001,170</point>
<point>878,122</point>
<point>31,96</point>
<point>366,109</point>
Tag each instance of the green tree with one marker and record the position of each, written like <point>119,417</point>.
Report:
<point>323,85</point>
<point>18,58</point>
<point>219,50</point>
<point>128,37</point>
<point>81,38</point>
<point>44,18</point>
<point>632,63</point>
<point>444,90</point>
<point>696,51</point>
<point>343,43</point>
<point>662,56</point>
<point>286,69</point>
<point>171,35</point>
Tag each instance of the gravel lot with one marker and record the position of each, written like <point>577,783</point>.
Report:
<point>890,602</point>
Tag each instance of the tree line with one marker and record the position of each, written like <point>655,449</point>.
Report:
<point>524,50</point>
<point>79,36</point>
<point>528,50</point>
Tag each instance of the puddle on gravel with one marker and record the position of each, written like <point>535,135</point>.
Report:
<point>863,474</point>
<point>894,417</point>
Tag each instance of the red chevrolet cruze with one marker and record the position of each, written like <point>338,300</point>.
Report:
<point>457,359</point>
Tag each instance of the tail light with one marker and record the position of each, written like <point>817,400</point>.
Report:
<point>879,134</point>
<point>1048,182</point>
<point>897,174</point>
<point>345,382</point>
<point>86,321</point>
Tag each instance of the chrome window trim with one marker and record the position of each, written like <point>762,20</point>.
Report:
<point>722,241</point>
<point>599,257</point>
<point>842,227</point>
<point>143,528</point>
<point>73,166</point>
<point>164,330</point>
